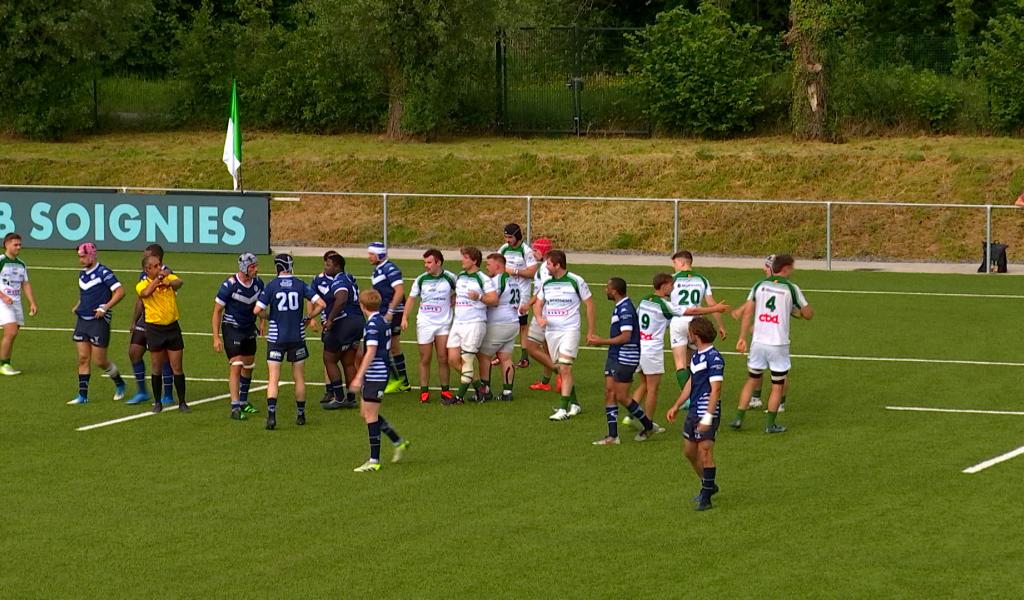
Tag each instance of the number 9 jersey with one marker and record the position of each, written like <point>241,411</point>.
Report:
<point>283,300</point>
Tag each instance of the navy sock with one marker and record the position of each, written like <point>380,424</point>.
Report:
<point>388,431</point>
<point>168,380</point>
<point>272,406</point>
<point>350,396</point>
<point>300,407</point>
<point>374,431</point>
<point>179,385</point>
<point>400,367</point>
<point>638,413</point>
<point>139,369</point>
<point>154,379</point>
<point>336,388</point>
<point>243,389</point>
<point>612,414</point>
<point>83,385</point>
<point>707,482</point>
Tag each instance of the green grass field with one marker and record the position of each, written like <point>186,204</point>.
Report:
<point>496,501</point>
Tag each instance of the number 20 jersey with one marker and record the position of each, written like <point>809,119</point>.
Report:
<point>283,298</point>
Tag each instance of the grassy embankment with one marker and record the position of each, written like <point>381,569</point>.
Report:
<point>921,169</point>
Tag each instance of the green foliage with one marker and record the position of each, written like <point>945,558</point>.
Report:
<point>1001,65</point>
<point>700,71</point>
<point>49,54</point>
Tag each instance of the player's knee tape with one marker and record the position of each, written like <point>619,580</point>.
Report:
<point>249,366</point>
<point>468,367</point>
<point>754,374</point>
<point>779,377</point>
<point>237,363</point>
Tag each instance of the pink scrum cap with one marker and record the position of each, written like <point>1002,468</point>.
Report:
<point>87,249</point>
<point>542,245</point>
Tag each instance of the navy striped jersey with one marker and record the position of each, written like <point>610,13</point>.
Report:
<point>385,277</point>
<point>377,339</point>
<point>706,366</point>
<point>238,300</point>
<point>95,287</point>
<point>283,299</point>
<point>624,319</point>
<point>322,284</point>
<point>344,281</point>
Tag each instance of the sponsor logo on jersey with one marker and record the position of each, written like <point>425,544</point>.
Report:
<point>766,318</point>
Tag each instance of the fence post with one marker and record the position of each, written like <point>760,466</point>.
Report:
<point>988,238</point>
<point>828,236</point>
<point>675,226</point>
<point>499,82</point>
<point>385,238</point>
<point>529,219</point>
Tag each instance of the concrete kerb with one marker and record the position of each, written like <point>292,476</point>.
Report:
<point>729,262</point>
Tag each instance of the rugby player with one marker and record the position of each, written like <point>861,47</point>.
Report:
<point>158,292</point>
<point>770,305</point>
<point>387,280</point>
<point>703,392</point>
<point>557,311</point>
<point>98,292</point>
<point>283,299</point>
<point>689,288</point>
<point>322,284</point>
<point>13,283</point>
<point>755,398</point>
<point>343,328</point>
<point>234,319</point>
<point>534,342</point>
<point>432,296</point>
<point>371,378</point>
<point>502,324</point>
<point>474,292</point>
<point>521,263</point>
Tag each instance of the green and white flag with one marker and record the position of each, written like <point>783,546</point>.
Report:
<point>233,140</point>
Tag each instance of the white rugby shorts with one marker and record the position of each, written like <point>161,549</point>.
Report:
<point>561,343</point>
<point>652,360</point>
<point>12,313</point>
<point>467,336</point>
<point>678,332</point>
<point>500,337</point>
<point>764,356</point>
<point>426,331</point>
<point>535,332</point>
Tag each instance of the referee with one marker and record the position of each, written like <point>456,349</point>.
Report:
<point>158,292</point>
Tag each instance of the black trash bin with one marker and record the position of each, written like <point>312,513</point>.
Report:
<point>998,258</point>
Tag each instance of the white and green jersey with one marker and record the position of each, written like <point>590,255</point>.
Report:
<point>689,290</point>
<point>562,298</point>
<point>518,257</point>
<point>774,300</point>
<point>654,314</point>
<point>507,310</point>
<point>467,310</point>
<point>435,294</point>
<point>540,277</point>
<point>13,273</point>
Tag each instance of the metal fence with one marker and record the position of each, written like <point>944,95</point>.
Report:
<point>829,230</point>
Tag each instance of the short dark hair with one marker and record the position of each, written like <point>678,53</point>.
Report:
<point>436,254</point>
<point>498,256</point>
<point>618,284</point>
<point>683,255</point>
<point>145,259</point>
<point>703,329</point>
<point>329,254</point>
<point>335,259</point>
<point>557,257</point>
<point>661,279</point>
<point>11,236</point>
<point>156,250</point>
<point>474,254</point>
<point>781,262</point>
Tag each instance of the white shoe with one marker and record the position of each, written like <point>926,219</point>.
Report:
<point>559,415</point>
<point>607,441</point>
<point>400,450</point>
<point>782,407</point>
<point>755,402</point>
<point>575,409</point>
<point>657,428</point>
<point>77,400</point>
<point>368,467</point>
<point>9,370</point>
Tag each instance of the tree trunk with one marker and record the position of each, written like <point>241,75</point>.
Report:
<point>396,105</point>
<point>806,37</point>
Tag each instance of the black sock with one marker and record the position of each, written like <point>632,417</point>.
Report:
<point>300,407</point>
<point>156,379</point>
<point>374,430</point>
<point>707,482</point>
<point>638,413</point>
<point>272,406</point>
<point>83,385</point>
<point>350,396</point>
<point>385,427</point>
<point>400,367</point>
<point>612,414</point>
<point>336,389</point>
<point>179,386</point>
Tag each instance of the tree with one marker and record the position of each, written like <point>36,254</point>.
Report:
<point>49,53</point>
<point>808,39</point>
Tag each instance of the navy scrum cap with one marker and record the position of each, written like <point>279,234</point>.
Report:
<point>283,263</point>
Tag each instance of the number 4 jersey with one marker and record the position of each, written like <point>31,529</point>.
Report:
<point>283,300</point>
<point>774,300</point>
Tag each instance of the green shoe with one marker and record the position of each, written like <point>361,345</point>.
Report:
<point>393,386</point>
<point>400,450</point>
<point>367,467</point>
<point>249,408</point>
<point>238,415</point>
<point>775,428</point>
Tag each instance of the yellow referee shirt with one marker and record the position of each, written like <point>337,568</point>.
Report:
<point>162,306</point>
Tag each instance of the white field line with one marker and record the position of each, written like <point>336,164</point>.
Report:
<point>994,461</point>
<point>597,285</point>
<point>168,408</point>
<point>896,359</point>
<point>970,411</point>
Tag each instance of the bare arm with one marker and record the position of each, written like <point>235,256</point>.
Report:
<point>397,299</point>
<point>589,303</point>
<point>490,298</point>
<point>710,301</point>
<point>410,307</point>
<point>806,312</point>
<point>716,394</point>
<point>218,314</point>
<point>528,272</point>
<point>149,289</point>
<point>673,411</point>
<point>622,338</point>
<point>136,311</point>
<point>538,311</point>
<point>364,366</point>
<point>340,298</point>
<point>26,289</point>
